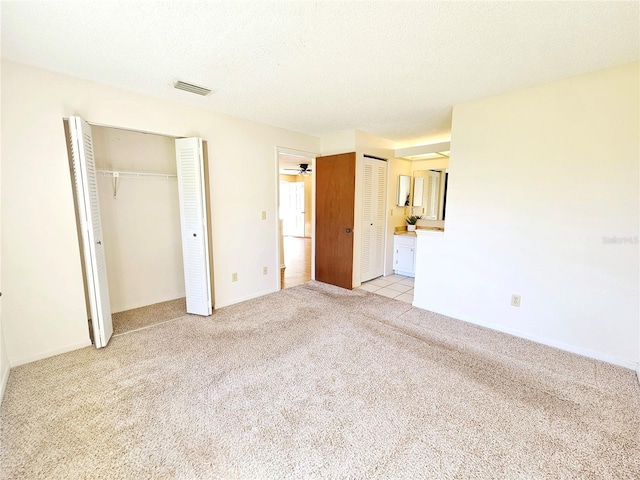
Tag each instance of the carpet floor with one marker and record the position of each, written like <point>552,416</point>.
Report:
<point>320,382</point>
<point>136,318</point>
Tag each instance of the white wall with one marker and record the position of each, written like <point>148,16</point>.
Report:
<point>4,357</point>
<point>4,365</point>
<point>141,226</point>
<point>340,142</point>
<point>43,303</point>
<point>537,179</point>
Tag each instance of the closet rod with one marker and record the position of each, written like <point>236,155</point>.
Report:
<point>117,173</point>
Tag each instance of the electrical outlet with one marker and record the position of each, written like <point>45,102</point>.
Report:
<point>515,300</point>
<point>234,277</point>
<point>264,215</point>
<point>265,270</point>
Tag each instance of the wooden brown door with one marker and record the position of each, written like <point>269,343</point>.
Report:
<point>335,196</point>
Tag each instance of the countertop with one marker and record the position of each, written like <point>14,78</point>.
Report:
<point>403,230</point>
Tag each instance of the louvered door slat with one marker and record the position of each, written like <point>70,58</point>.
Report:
<point>193,220</point>
<point>84,168</point>
<point>373,218</point>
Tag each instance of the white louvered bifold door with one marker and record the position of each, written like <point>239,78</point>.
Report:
<point>84,172</point>
<point>193,220</point>
<point>373,218</point>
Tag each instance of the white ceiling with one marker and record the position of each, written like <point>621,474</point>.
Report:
<point>392,69</point>
<point>291,160</point>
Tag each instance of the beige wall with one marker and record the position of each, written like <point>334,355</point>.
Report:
<point>141,227</point>
<point>43,310</point>
<point>539,179</point>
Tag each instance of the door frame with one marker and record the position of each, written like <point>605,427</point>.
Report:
<point>360,215</point>
<point>307,156</point>
<point>206,194</point>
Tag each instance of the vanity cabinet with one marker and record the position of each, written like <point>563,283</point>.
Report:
<point>404,255</point>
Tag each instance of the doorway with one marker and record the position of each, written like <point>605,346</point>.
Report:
<point>145,278</point>
<point>295,207</point>
<point>335,183</point>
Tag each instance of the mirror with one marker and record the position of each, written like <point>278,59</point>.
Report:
<point>433,193</point>
<point>404,190</point>
<point>418,189</point>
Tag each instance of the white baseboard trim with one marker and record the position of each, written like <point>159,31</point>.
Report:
<point>244,299</point>
<point>3,382</point>
<point>585,352</point>
<point>15,362</point>
<point>146,303</point>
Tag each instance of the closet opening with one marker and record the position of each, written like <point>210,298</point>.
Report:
<point>142,235</point>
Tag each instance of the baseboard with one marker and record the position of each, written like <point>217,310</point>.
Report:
<point>244,299</point>
<point>585,352</point>
<point>49,353</point>
<point>146,303</point>
<point>3,382</point>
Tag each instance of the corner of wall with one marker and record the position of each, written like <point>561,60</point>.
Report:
<point>3,381</point>
<point>340,142</point>
<point>5,367</point>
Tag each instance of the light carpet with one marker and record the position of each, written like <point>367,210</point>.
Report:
<point>136,318</point>
<point>320,382</point>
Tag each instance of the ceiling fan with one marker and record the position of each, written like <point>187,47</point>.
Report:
<point>303,169</point>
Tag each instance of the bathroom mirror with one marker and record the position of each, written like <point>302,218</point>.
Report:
<point>434,193</point>
<point>418,191</point>
<point>404,190</point>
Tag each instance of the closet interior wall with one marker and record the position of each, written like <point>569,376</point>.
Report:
<point>141,225</point>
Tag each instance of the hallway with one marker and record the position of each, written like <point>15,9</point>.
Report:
<point>297,260</point>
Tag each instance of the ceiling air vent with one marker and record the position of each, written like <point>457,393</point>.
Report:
<point>189,87</point>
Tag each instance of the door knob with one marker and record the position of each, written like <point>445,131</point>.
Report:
<point>349,230</point>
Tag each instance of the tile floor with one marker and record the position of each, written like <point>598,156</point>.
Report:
<point>393,286</point>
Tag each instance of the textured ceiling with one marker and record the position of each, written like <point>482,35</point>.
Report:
<point>393,69</point>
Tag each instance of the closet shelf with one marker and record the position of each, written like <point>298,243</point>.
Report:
<point>117,173</point>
